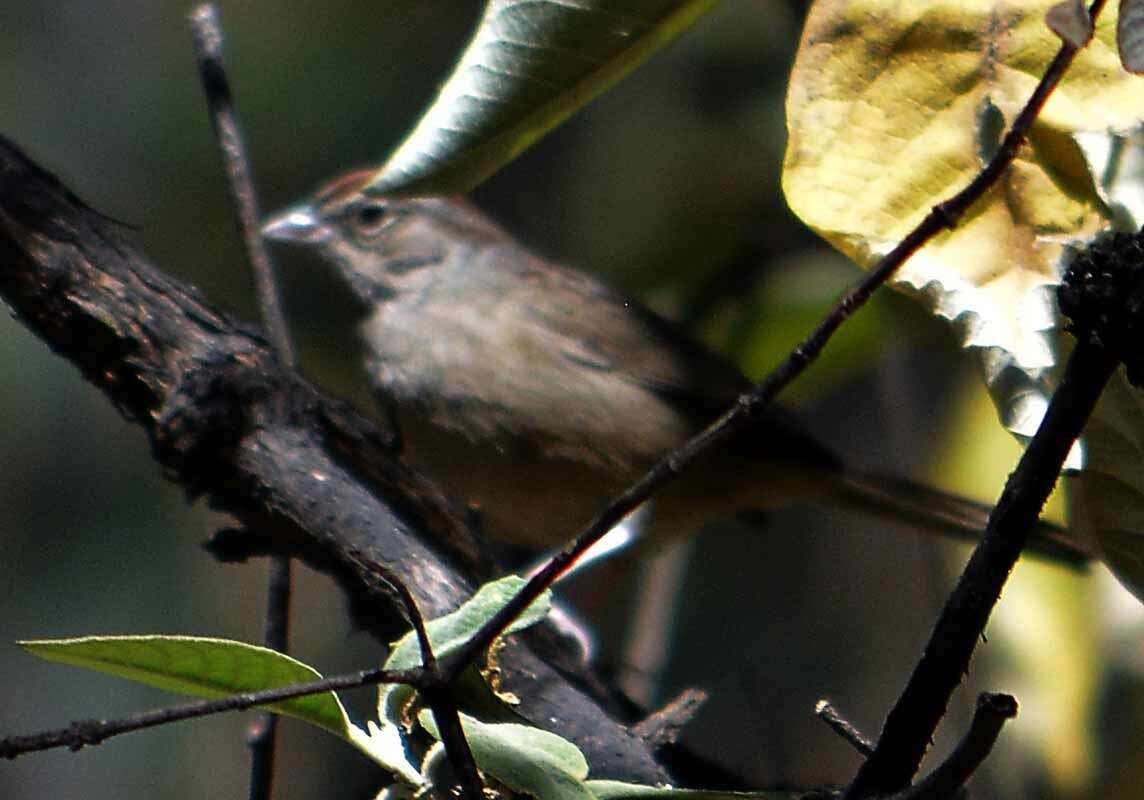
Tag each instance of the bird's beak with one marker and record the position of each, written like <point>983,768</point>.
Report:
<point>295,224</point>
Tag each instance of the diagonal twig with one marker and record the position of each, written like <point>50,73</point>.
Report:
<point>944,215</point>
<point>437,692</point>
<point>911,723</point>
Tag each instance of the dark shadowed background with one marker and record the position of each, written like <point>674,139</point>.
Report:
<point>669,186</point>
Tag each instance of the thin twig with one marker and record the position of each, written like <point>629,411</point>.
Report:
<point>911,723</point>
<point>664,726</point>
<point>220,105</point>
<point>993,711</point>
<point>261,737</point>
<point>437,692</point>
<point>750,406</point>
<point>444,707</point>
<point>843,727</point>
<point>412,614</point>
<point>83,733</point>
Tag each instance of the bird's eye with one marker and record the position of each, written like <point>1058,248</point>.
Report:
<point>370,217</point>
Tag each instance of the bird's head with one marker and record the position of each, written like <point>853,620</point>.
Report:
<point>380,244</point>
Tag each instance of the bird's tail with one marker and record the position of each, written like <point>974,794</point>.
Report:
<point>941,512</point>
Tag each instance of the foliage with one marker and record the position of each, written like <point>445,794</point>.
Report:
<point>939,79</point>
<point>211,668</point>
<point>528,66</point>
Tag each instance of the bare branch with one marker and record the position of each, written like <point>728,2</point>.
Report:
<point>842,726</point>
<point>304,475</point>
<point>220,107</point>
<point>993,711</point>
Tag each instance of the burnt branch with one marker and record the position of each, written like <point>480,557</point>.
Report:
<point>304,475</point>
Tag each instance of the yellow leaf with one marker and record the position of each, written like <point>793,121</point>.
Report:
<point>895,106</point>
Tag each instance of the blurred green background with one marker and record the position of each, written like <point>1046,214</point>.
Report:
<point>669,186</point>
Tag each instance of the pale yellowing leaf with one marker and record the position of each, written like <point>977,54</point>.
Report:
<point>894,107</point>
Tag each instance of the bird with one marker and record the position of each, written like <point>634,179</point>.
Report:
<point>536,392</point>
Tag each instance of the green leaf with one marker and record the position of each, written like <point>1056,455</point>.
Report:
<point>201,667</point>
<point>525,759</point>
<point>615,790</point>
<point>446,634</point>
<point>530,64</point>
<point>449,632</point>
<point>385,744</point>
<point>211,668</point>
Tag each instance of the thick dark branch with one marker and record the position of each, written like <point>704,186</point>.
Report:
<point>303,473</point>
<point>911,723</point>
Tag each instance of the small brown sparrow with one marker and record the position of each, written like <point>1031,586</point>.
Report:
<point>536,393</point>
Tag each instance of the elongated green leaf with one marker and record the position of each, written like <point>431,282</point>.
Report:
<point>199,666</point>
<point>530,64</point>
<point>449,632</point>
<point>210,668</point>
<point>525,759</point>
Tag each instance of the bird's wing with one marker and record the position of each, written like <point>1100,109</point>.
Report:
<point>610,332</point>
